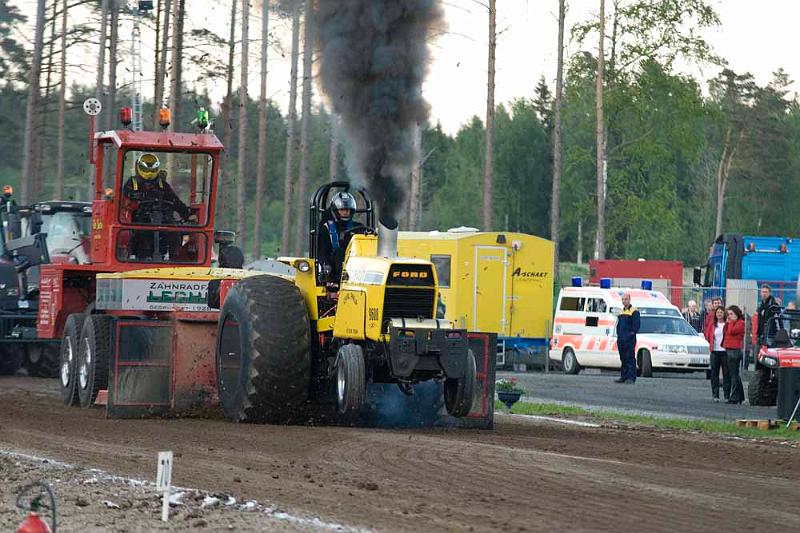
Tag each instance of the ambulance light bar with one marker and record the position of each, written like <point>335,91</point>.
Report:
<point>605,283</point>
<point>647,285</point>
<point>577,281</point>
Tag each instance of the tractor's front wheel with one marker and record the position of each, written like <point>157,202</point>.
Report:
<point>763,387</point>
<point>459,393</point>
<point>68,358</point>
<point>351,386</point>
<point>263,351</point>
<point>93,358</point>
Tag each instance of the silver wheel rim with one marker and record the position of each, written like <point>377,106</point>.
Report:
<point>340,382</point>
<point>568,362</point>
<point>66,364</point>
<point>83,371</point>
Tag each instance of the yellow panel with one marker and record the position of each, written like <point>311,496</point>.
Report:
<point>351,314</point>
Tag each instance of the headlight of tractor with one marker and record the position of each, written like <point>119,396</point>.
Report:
<point>771,362</point>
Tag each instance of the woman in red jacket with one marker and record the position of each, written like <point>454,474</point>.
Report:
<point>714,332</point>
<point>733,341</point>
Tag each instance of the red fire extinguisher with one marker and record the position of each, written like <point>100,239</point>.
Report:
<point>34,524</point>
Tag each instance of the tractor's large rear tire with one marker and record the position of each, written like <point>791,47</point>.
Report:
<point>42,360</point>
<point>11,358</point>
<point>68,358</point>
<point>459,393</point>
<point>93,358</point>
<point>351,384</point>
<point>263,351</point>
<point>762,388</point>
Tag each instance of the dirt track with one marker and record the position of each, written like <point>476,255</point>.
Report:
<point>522,476</point>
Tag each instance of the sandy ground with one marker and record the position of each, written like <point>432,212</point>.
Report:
<point>523,476</point>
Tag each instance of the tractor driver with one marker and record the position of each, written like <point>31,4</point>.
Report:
<point>334,235</point>
<point>150,199</point>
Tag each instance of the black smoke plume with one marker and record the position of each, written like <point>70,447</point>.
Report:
<point>374,56</point>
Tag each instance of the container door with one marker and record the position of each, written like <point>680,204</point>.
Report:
<point>489,303</point>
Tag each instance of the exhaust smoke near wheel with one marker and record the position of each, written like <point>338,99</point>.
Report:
<point>373,60</point>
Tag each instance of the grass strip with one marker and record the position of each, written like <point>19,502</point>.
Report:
<point>681,424</point>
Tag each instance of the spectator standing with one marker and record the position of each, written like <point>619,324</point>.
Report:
<point>719,357</point>
<point>716,302</point>
<point>692,316</point>
<point>764,311</point>
<point>627,328</point>
<point>733,341</point>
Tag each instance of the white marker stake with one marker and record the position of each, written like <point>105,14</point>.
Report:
<point>164,480</point>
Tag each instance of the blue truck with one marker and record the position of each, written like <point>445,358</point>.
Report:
<point>772,260</point>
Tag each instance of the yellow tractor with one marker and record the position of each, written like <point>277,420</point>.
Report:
<point>286,340</point>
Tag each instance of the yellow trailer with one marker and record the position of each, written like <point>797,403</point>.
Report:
<point>494,282</point>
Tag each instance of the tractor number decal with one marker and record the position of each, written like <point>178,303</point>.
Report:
<point>373,314</point>
<point>97,224</point>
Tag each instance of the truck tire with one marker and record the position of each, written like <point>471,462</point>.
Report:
<point>459,393</point>
<point>569,362</point>
<point>645,364</point>
<point>351,384</point>
<point>263,351</point>
<point>11,358</point>
<point>42,360</point>
<point>762,388</point>
<point>68,358</point>
<point>93,358</point>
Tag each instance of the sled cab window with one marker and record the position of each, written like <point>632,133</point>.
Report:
<point>442,264</point>
<point>162,188</point>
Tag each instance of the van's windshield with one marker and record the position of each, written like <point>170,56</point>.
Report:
<point>665,325</point>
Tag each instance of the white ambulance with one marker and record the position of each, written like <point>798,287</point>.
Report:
<point>584,331</point>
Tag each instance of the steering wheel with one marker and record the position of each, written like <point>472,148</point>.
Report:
<point>363,230</point>
<point>154,210</point>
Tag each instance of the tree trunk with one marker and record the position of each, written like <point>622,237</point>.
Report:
<point>600,240</point>
<point>555,201</point>
<point>177,62</point>
<point>301,226</point>
<point>101,54</point>
<point>32,104</point>
<point>286,234</point>
<point>723,172</point>
<point>416,183</point>
<point>241,171</point>
<point>488,171</point>
<point>162,45</point>
<point>112,65</point>
<point>224,197</point>
<point>262,132</point>
<point>62,105</point>
<point>43,127</point>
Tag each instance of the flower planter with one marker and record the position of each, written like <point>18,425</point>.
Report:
<point>509,398</point>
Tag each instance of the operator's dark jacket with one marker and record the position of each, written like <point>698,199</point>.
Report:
<point>142,190</point>
<point>764,315</point>
<point>627,326</point>
<point>332,241</point>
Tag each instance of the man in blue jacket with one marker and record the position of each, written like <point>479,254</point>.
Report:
<point>627,328</point>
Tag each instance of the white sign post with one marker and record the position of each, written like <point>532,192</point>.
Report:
<point>164,481</point>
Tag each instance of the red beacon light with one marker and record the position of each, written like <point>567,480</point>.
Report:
<point>126,116</point>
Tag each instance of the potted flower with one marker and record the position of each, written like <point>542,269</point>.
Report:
<point>508,392</point>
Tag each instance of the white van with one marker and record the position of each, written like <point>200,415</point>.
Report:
<point>584,332</point>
